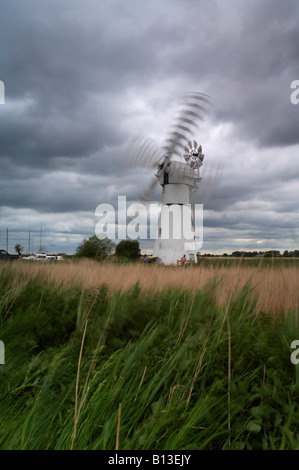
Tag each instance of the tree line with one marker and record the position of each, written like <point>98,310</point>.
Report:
<point>253,254</point>
<point>101,249</point>
<point>96,248</point>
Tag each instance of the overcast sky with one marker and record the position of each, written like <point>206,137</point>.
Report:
<point>83,78</point>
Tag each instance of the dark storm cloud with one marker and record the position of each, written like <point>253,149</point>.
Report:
<point>74,63</point>
<point>66,191</point>
<point>247,55</point>
<point>82,78</point>
<point>65,70</point>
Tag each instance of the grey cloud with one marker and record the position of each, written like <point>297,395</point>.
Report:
<point>83,77</point>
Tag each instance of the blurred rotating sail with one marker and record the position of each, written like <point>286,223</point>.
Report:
<point>144,152</point>
<point>190,113</point>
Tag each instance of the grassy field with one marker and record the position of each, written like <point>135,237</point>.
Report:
<point>129,357</point>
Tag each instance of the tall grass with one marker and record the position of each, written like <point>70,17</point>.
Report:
<point>144,357</point>
<point>276,288</point>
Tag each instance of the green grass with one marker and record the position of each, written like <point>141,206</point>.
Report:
<point>87,369</point>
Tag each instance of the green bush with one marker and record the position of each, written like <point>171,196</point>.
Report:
<point>128,249</point>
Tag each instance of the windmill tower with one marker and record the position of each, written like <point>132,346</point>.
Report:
<point>177,166</point>
<point>177,231</point>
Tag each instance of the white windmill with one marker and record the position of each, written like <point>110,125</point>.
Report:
<point>177,231</point>
<point>178,174</point>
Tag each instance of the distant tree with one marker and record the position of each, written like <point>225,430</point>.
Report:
<point>271,254</point>
<point>95,248</point>
<point>236,254</point>
<point>19,248</point>
<point>128,249</point>
<point>286,254</point>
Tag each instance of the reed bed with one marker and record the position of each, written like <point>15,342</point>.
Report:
<point>277,289</point>
<point>141,357</point>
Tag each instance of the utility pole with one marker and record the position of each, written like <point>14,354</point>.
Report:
<point>40,238</point>
<point>29,243</point>
<point>7,240</point>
